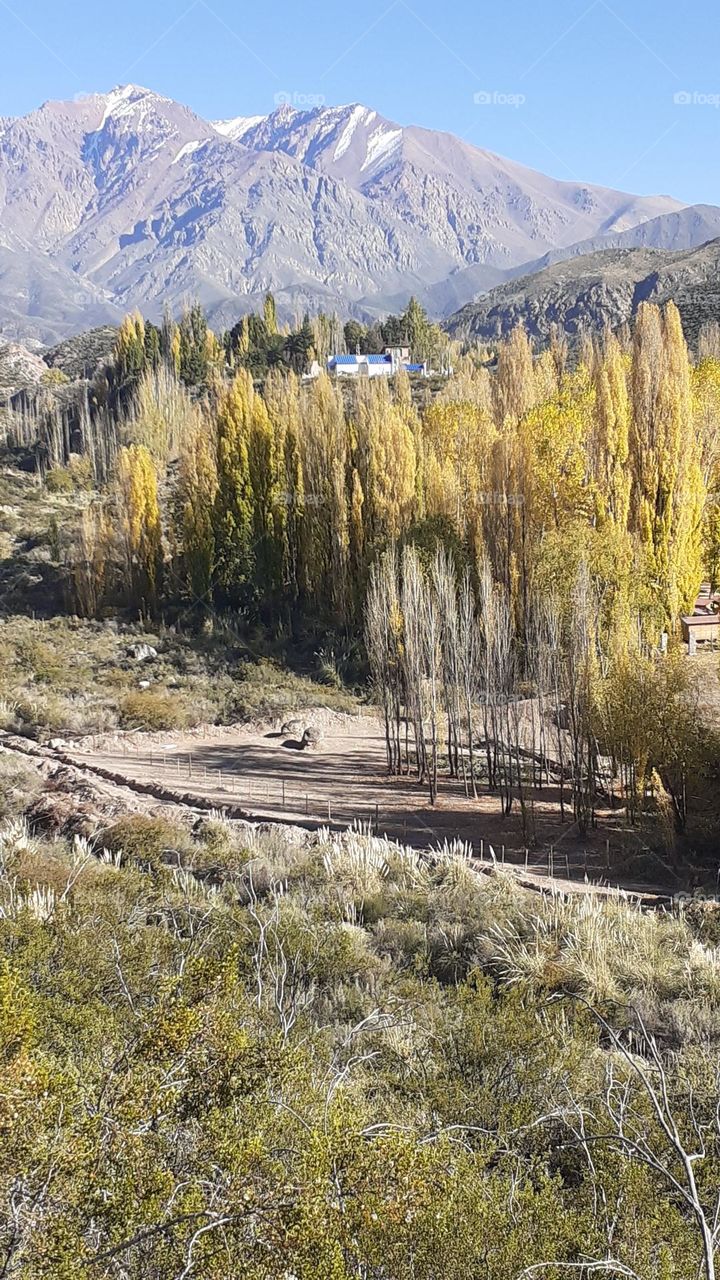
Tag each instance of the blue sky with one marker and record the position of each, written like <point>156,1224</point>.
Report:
<point>576,89</point>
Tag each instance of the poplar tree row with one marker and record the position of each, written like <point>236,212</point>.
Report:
<point>279,502</point>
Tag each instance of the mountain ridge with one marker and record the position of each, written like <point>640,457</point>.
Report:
<point>598,290</point>
<point>147,204</point>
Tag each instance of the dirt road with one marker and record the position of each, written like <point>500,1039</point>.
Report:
<point>262,773</point>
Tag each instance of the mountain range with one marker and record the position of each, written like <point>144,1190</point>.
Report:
<point>130,199</point>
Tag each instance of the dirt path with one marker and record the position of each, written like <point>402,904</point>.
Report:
<point>341,782</point>
<point>257,774</point>
<point>119,795</point>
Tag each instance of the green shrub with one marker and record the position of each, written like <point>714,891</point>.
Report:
<point>147,841</point>
<point>59,480</point>
<point>704,920</point>
<point>217,841</point>
<point>54,378</point>
<point>151,709</point>
<point>40,660</point>
<point>76,475</point>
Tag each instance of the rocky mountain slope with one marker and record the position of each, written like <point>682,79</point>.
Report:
<point>41,298</point>
<point>19,368</point>
<point>131,199</point>
<point>598,290</point>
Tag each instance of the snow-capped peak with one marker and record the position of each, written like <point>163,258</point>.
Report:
<point>321,136</point>
<point>236,128</point>
<point>381,147</point>
<point>125,99</point>
<point>358,115</point>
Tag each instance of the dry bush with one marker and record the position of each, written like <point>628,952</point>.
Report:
<point>19,784</point>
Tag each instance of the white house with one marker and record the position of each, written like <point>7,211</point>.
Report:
<point>374,366</point>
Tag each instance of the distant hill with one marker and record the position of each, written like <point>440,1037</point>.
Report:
<point>41,299</point>
<point>82,355</point>
<point>681,229</point>
<point>597,290</point>
<point>19,368</point>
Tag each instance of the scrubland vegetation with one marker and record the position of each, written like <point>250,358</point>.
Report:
<point>69,677</point>
<point>233,1053</point>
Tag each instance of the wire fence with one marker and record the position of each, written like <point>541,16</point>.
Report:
<point>265,796</point>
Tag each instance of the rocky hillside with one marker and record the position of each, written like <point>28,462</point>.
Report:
<point>130,199</point>
<point>598,290</point>
<point>41,298</point>
<point>19,367</point>
<point>82,355</point>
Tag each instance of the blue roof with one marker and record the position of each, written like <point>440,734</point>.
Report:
<point>413,368</point>
<point>353,359</point>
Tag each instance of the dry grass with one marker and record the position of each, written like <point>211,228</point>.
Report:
<point>67,677</point>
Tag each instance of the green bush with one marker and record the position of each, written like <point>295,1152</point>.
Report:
<point>40,660</point>
<point>54,378</point>
<point>151,709</point>
<point>59,480</point>
<point>147,841</point>
<point>76,475</point>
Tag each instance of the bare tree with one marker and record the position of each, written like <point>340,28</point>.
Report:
<point>468,666</point>
<point>641,1116</point>
<point>413,609</point>
<point>444,582</point>
<point>383,625</point>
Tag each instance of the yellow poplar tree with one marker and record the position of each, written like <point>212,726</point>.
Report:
<point>130,347</point>
<point>140,531</point>
<point>233,509</point>
<point>668,489</point>
<point>611,444</point>
<point>196,494</point>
